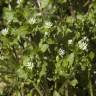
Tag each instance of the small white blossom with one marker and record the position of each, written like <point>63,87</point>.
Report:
<point>19,1</point>
<point>61,52</point>
<point>25,44</point>
<point>45,58</point>
<point>29,65</point>
<point>39,14</point>
<point>95,81</point>
<point>32,21</point>
<point>85,38</point>
<point>4,31</point>
<point>83,43</point>
<point>94,72</point>
<point>9,7</point>
<point>2,58</point>
<point>48,24</point>
<point>70,41</point>
<point>46,33</point>
<point>61,72</point>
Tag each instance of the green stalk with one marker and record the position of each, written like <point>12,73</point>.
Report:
<point>37,89</point>
<point>90,84</point>
<point>66,89</point>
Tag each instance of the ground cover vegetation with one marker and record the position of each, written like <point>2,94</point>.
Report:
<point>47,47</point>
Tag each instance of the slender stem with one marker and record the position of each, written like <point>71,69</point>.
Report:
<point>21,89</point>
<point>90,84</point>
<point>66,89</point>
<point>15,54</point>
<point>86,3</point>
<point>37,89</point>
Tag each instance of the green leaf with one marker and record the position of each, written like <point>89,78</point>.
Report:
<point>44,3</point>
<point>55,93</point>
<point>21,31</point>
<point>62,1</point>
<point>74,82</point>
<point>8,15</point>
<point>70,19</point>
<point>50,41</point>
<point>21,73</point>
<point>70,58</point>
<point>77,36</point>
<point>91,55</point>
<point>43,70</point>
<point>17,93</point>
<point>43,47</point>
<point>29,94</point>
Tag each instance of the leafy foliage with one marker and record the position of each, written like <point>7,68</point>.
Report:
<point>47,47</point>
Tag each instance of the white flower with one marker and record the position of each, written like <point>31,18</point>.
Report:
<point>4,31</point>
<point>48,24</point>
<point>61,52</point>
<point>32,21</point>
<point>45,58</point>
<point>19,1</point>
<point>70,41</point>
<point>9,7</point>
<point>85,38</point>
<point>2,58</point>
<point>29,65</point>
<point>39,14</point>
<point>46,33</point>
<point>83,43</point>
<point>94,72</point>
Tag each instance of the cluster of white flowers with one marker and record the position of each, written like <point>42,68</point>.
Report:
<point>30,65</point>
<point>32,21</point>
<point>48,24</point>
<point>83,43</point>
<point>4,31</point>
<point>61,52</point>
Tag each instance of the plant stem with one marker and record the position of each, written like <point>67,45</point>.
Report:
<point>37,89</point>
<point>66,89</point>
<point>90,84</point>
